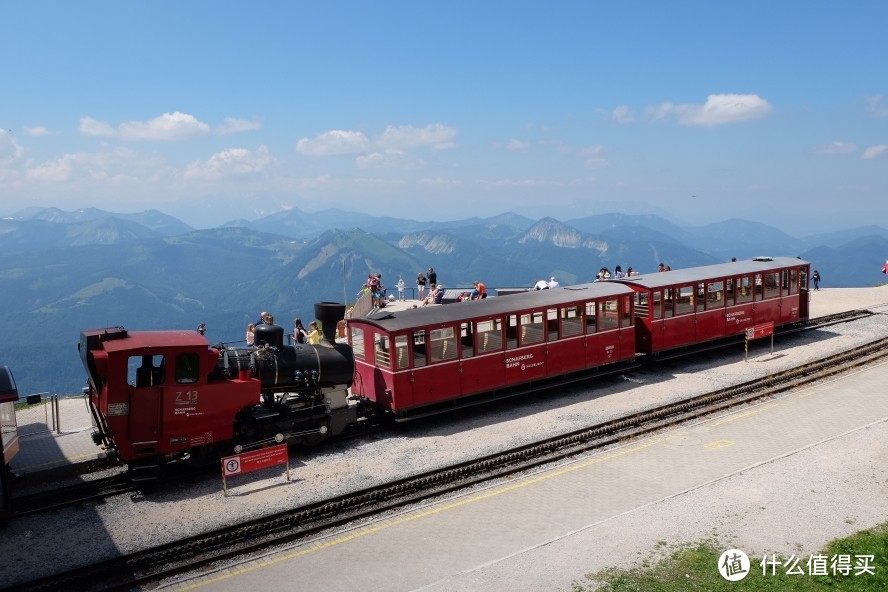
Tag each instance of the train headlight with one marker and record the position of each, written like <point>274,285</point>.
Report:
<point>278,438</point>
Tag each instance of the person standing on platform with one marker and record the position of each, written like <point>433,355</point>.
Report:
<point>815,277</point>
<point>420,285</point>
<point>314,336</point>
<point>401,286</point>
<point>433,276</point>
<point>299,332</point>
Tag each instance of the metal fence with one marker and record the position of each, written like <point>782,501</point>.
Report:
<point>39,415</point>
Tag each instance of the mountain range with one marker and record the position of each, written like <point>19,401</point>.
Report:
<point>66,271</point>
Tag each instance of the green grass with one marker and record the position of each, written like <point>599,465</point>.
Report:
<point>694,567</point>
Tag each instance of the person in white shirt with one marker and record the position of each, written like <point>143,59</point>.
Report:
<point>541,285</point>
<point>553,283</point>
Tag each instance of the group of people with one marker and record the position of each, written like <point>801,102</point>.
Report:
<point>429,279</point>
<point>544,285</point>
<point>436,295</point>
<point>605,274</point>
<point>374,287</point>
<point>300,334</point>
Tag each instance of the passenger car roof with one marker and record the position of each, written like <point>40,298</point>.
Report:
<point>491,306</point>
<point>707,272</point>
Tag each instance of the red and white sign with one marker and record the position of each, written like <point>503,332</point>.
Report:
<point>759,331</point>
<point>254,460</point>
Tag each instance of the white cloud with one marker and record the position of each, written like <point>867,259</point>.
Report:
<point>334,142</point>
<point>874,151</point>
<point>38,131</point>
<point>236,162</point>
<point>441,182</point>
<point>92,127</point>
<point>875,106</point>
<point>594,160</point>
<point>520,183</point>
<point>386,159</point>
<point>119,164</point>
<point>718,110</point>
<point>514,144</point>
<point>406,136</point>
<point>838,147</point>
<point>623,114</point>
<point>10,150</point>
<point>169,126</point>
<point>233,125</point>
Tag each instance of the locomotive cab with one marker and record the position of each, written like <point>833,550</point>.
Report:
<point>153,395</point>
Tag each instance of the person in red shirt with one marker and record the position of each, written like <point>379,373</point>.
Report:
<point>479,292</point>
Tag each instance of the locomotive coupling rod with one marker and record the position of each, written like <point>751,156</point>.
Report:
<point>241,447</point>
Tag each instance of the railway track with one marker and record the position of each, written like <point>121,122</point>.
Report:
<point>71,495</point>
<point>194,553</point>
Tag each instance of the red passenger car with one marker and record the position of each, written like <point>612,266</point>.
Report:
<point>700,305</point>
<point>415,359</point>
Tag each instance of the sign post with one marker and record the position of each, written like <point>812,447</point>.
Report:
<point>254,460</point>
<point>757,332</point>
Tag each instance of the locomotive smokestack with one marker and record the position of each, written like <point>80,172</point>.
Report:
<point>329,314</point>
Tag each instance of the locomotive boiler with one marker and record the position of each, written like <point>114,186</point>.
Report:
<point>159,396</point>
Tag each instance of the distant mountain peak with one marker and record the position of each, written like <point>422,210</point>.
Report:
<point>550,230</point>
<point>435,243</point>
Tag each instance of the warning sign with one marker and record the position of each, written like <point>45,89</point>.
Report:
<point>759,331</point>
<point>254,460</point>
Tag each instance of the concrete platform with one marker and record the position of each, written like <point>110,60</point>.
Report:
<point>49,450</point>
<point>468,542</point>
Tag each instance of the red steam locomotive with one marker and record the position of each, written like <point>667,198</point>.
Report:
<point>165,395</point>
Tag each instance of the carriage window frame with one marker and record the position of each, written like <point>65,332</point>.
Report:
<point>442,345</point>
<point>715,295</point>
<point>684,299</point>
<point>657,304</point>
<point>591,318</point>
<point>419,349</point>
<point>627,313</point>
<point>770,285</point>
<point>357,342</point>
<point>608,314</point>
<point>467,339</point>
<point>402,347</point>
<point>381,350</point>
<point>571,321</point>
<point>489,335</point>
<point>532,328</point>
<point>744,291</point>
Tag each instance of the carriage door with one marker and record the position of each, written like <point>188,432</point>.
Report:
<point>803,293</point>
<point>145,375</point>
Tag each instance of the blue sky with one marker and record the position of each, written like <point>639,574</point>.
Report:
<point>212,111</point>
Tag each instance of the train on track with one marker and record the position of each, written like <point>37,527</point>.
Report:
<point>160,396</point>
